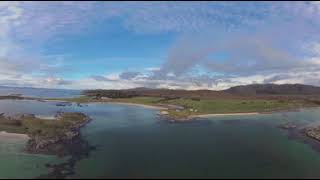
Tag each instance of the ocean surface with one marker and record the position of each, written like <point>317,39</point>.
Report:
<point>132,142</point>
<point>38,92</point>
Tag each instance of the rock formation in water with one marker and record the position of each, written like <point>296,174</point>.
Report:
<point>313,132</point>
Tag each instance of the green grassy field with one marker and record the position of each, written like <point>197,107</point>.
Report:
<point>80,99</point>
<point>226,106</point>
<point>45,128</point>
<point>12,129</point>
<point>139,100</point>
<point>193,107</point>
<point>51,128</point>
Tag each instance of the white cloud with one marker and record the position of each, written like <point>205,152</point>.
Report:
<point>26,27</point>
<point>152,69</point>
<point>113,76</point>
<point>51,19</point>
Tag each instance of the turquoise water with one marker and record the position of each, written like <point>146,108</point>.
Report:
<point>133,143</point>
<point>17,164</point>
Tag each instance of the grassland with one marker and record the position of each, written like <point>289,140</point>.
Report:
<point>80,99</point>
<point>34,126</point>
<point>230,106</point>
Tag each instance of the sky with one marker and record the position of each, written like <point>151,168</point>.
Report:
<point>178,45</point>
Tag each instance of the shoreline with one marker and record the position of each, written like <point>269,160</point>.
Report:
<point>4,134</point>
<point>294,109</point>
<point>190,117</point>
<point>110,102</point>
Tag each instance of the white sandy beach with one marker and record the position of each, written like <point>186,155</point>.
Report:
<point>46,117</point>
<point>225,114</point>
<point>123,103</point>
<point>12,136</point>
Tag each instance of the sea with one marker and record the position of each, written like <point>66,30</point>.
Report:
<point>133,142</point>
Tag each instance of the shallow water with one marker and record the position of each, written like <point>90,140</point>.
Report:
<point>132,142</point>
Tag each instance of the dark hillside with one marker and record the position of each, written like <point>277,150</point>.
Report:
<point>274,89</point>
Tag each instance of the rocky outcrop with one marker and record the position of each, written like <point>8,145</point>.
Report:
<point>288,126</point>
<point>58,142</point>
<point>60,136</point>
<point>313,132</point>
<point>64,104</point>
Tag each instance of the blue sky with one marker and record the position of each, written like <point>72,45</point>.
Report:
<point>111,52</point>
<point>190,45</point>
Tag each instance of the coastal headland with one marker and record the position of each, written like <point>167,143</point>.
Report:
<point>59,136</point>
<point>44,136</point>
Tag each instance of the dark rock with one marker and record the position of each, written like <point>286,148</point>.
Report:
<point>288,126</point>
<point>64,104</point>
<point>313,132</point>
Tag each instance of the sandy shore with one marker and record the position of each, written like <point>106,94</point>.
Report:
<point>6,135</point>
<point>45,117</point>
<point>225,114</point>
<point>52,100</point>
<point>122,103</point>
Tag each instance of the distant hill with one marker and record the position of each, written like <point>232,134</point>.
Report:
<point>268,91</point>
<point>245,91</point>
<point>274,89</point>
<point>166,93</point>
<point>253,89</point>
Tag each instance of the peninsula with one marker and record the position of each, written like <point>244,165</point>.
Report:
<point>46,136</point>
